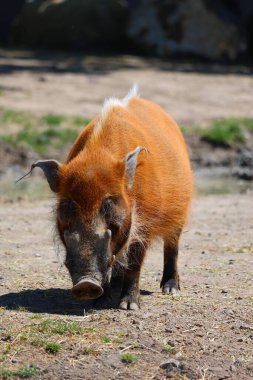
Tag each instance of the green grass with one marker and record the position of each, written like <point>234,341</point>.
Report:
<point>54,131</point>
<point>7,348</point>
<point>39,134</point>
<point>15,117</point>
<point>224,132</point>
<point>8,116</point>
<point>36,316</point>
<point>50,347</point>
<point>59,327</point>
<point>22,373</point>
<point>22,308</point>
<point>170,349</point>
<point>39,141</point>
<point>248,123</point>
<point>128,358</point>
<point>106,339</point>
<point>53,120</point>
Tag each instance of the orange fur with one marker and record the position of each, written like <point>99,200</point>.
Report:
<point>163,184</point>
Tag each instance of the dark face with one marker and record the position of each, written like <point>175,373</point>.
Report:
<point>93,226</point>
<point>92,240</point>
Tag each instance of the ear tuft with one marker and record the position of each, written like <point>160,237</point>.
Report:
<point>51,171</point>
<point>131,164</point>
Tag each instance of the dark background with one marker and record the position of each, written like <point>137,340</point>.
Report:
<point>220,30</point>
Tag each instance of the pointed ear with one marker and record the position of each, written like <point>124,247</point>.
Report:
<point>131,160</point>
<point>51,171</point>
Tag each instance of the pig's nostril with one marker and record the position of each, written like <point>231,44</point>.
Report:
<point>87,289</point>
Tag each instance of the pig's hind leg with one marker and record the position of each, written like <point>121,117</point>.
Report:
<point>170,280</point>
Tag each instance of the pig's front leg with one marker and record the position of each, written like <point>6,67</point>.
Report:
<point>104,301</point>
<point>130,292</point>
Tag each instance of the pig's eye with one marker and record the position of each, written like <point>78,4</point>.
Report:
<point>108,205</point>
<point>113,211</point>
<point>66,211</point>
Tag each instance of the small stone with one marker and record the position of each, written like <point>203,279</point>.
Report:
<point>170,364</point>
<point>224,291</point>
<point>169,342</point>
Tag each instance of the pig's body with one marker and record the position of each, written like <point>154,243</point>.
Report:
<point>127,180</point>
<point>162,187</point>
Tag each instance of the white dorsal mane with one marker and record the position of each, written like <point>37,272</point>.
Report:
<point>111,102</point>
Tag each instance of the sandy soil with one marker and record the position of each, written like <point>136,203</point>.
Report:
<point>208,332</point>
<point>63,84</point>
<point>210,326</point>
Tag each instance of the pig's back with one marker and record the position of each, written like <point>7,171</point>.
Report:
<point>163,184</point>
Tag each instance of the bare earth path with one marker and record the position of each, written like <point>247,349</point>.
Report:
<point>208,331</point>
<point>71,84</point>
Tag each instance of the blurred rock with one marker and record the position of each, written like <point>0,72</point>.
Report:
<point>245,159</point>
<point>243,173</point>
<point>70,23</point>
<point>209,29</point>
<point>166,28</point>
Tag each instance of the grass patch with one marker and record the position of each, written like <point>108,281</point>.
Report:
<point>106,339</point>
<point>22,308</point>
<point>225,132</point>
<point>40,141</point>
<point>22,373</point>
<point>39,134</point>
<point>52,119</point>
<point>248,123</point>
<point>128,358</point>
<point>79,121</point>
<point>50,347</point>
<point>222,132</point>
<point>15,117</point>
<point>7,348</point>
<point>170,349</point>
<point>36,316</point>
<point>59,327</point>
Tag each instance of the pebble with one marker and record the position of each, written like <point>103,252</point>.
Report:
<point>170,364</point>
<point>169,342</point>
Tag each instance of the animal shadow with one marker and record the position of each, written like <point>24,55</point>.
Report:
<point>56,301</point>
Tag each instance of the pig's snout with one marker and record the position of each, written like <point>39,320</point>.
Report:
<point>87,289</point>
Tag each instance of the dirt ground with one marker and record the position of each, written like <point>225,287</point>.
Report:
<point>205,334</point>
<point>72,84</point>
<point>209,330</point>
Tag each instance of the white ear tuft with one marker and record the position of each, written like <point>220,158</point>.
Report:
<point>131,164</point>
